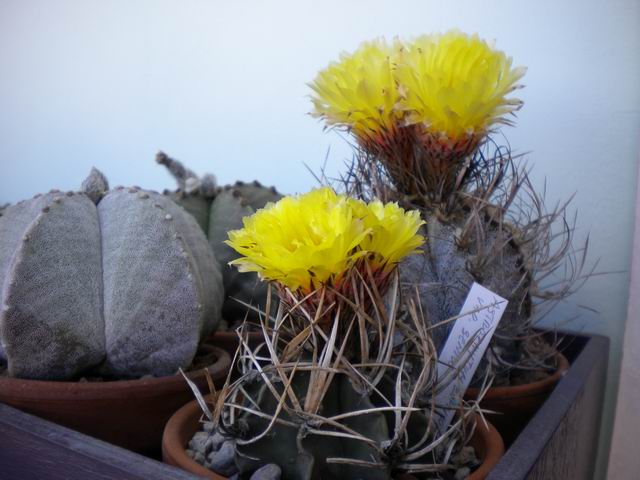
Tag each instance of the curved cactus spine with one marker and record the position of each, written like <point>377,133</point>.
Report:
<point>327,405</point>
<point>452,262</point>
<point>119,281</point>
<point>435,152</point>
<point>493,229</point>
<point>298,449</point>
<point>218,210</point>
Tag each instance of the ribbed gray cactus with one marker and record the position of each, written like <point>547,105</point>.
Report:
<point>121,283</point>
<point>451,264</point>
<point>218,210</point>
<point>491,226</point>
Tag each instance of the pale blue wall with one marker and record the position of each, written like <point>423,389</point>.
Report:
<point>222,86</point>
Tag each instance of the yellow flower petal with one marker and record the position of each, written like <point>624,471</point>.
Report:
<point>306,241</point>
<point>453,85</point>
<point>456,84</point>
<point>359,91</point>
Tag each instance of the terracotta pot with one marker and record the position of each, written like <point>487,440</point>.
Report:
<point>128,413</point>
<point>181,428</point>
<point>488,444</point>
<point>185,423</point>
<point>517,405</point>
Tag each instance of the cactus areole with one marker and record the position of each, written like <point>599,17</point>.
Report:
<point>119,283</point>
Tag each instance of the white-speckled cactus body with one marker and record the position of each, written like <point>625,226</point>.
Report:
<point>448,267</point>
<point>218,210</point>
<point>119,282</point>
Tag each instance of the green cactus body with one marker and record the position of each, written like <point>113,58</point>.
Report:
<point>118,282</point>
<point>218,210</point>
<point>326,402</point>
<point>300,453</point>
<point>196,205</point>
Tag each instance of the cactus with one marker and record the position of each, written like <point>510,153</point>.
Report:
<point>121,283</point>
<point>366,419</point>
<point>422,112</point>
<point>219,210</point>
<point>493,229</point>
<point>343,385</point>
<point>467,247</point>
<point>301,454</point>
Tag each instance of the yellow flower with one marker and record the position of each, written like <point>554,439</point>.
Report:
<point>440,92</point>
<point>394,231</point>
<point>456,85</point>
<point>359,91</point>
<point>306,241</point>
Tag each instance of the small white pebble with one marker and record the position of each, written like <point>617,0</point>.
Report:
<point>222,461</point>
<point>462,473</point>
<point>270,471</point>
<point>207,427</point>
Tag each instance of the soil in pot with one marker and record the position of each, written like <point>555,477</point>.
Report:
<point>186,423</point>
<point>128,413</point>
<point>517,403</point>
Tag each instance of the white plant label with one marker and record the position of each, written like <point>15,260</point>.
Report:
<point>464,348</point>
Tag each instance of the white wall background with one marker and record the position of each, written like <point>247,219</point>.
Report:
<point>221,85</point>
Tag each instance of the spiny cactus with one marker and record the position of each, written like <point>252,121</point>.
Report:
<point>119,282</point>
<point>470,245</point>
<point>493,229</point>
<point>320,410</point>
<point>424,112</point>
<point>294,446</point>
<point>342,386</point>
<point>219,210</point>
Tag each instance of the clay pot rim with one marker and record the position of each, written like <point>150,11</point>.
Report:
<point>527,389</point>
<point>174,452</point>
<point>494,448</point>
<point>54,390</point>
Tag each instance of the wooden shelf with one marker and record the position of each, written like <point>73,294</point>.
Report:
<point>559,442</point>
